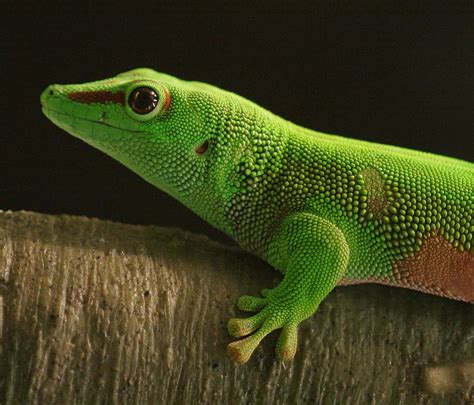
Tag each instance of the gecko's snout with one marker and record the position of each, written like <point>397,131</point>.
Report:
<point>47,94</point>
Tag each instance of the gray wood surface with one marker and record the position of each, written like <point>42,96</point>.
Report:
<point>99,312</point>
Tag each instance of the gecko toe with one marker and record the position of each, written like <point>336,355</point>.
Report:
<point>239,327</point>
<point>287,342</point>
<point>249,303</point>
<point>241,350</point>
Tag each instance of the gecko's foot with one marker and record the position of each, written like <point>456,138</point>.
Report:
<point>273,314</point>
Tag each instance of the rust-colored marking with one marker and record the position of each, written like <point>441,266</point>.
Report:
<point>202,148</point>
<point>376,198</point>
<point>100,96</point>
<point>438,268</point>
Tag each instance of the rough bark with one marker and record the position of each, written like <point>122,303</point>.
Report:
<point>93,311</point>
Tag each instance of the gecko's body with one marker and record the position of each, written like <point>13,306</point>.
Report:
<point>323,209</point>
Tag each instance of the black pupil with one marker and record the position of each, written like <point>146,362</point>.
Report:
<point>143,100</point>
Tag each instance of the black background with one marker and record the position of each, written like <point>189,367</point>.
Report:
<point>397,73</point>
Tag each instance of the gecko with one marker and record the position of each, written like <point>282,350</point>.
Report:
<point>324,210</point>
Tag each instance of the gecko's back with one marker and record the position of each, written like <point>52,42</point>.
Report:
<point>408,215</point>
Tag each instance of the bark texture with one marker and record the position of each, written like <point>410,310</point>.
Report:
<point>99,312</point>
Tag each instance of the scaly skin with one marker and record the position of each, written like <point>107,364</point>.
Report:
<point>322,209</point>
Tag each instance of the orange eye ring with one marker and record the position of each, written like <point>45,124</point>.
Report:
<point>167,101</point>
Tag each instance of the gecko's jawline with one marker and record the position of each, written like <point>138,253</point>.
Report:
<point>46,109</point>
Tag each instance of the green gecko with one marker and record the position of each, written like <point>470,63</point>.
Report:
<point>322,209</point>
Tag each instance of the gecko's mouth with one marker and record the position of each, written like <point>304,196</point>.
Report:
<point>77,125</point>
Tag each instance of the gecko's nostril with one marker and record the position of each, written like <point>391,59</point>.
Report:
<point>47,95</point>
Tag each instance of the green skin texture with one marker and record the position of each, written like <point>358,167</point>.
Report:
<point>322,209</point>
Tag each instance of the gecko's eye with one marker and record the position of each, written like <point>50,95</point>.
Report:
<point>146,100</point>
<point>143,100</point>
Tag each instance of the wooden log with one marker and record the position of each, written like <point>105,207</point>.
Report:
<point>98,312</point>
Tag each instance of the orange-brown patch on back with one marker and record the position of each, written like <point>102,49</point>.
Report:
<point>438,268</point>
<point>376,198</point>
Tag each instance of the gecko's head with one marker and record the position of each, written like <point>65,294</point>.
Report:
<point>165,129</point>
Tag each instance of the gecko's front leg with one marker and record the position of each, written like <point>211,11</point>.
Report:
<point>313,254</point>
